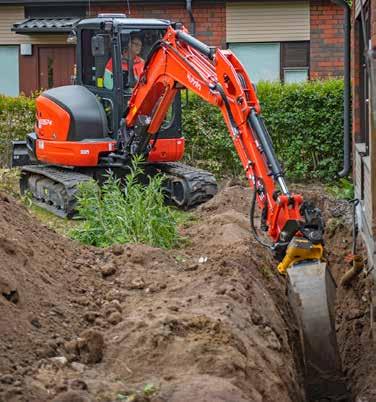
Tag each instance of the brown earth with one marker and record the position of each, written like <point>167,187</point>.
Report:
<point>355,337</point>
<point>207,322</point>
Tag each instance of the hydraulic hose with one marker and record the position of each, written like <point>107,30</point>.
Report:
<point>252,221</point>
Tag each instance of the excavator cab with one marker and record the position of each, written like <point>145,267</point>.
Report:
<point>87,117</point>
<point>111,54</point>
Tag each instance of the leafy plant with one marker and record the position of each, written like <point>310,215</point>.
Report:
<point>9,181</point>
<point>17,117</point>
<point>343,189</point>
<point>149,389</point>
<point>305,122</point>
<point>126,212</point>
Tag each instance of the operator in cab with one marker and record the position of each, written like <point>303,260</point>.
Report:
<point>135,49</point>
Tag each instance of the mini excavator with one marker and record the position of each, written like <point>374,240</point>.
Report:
<point>103,121</point>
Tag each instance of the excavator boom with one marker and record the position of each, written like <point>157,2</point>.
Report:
<point>179,60</point>
<point>295,228</point>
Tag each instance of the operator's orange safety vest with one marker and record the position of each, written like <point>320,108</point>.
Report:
<point>138,66</point>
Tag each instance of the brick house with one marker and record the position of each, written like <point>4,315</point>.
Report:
<point>288,40</point>
<point>364,122</point>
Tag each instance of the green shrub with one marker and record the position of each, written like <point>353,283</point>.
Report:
<point>129,213</point>
<point>305,122</point>
<point>17,117</point>
<point>9,181</point>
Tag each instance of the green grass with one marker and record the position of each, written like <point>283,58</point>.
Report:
<point>59,225</point>
<point>126,212</point>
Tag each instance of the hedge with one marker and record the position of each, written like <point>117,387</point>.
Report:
<point>17,116</point>
<point>305,122</point>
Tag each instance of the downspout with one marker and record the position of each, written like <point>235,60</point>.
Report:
<point>347,89</point>
<point>192,28</point>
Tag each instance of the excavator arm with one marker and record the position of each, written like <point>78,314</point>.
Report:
<point>295,228</point>
<point>181,61</point>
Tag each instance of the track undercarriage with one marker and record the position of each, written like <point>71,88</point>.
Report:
<point>54,188</point>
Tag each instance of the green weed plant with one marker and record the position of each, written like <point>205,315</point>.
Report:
<point>128,212</point>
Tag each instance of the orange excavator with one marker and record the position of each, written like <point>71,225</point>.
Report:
<point>108,117</point>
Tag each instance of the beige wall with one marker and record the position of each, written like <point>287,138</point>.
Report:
<point>12,14</point>
<point>267,21</point>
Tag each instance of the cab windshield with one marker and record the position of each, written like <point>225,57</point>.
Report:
<point>134,47</point>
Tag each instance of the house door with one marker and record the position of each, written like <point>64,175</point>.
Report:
<point>55,66</point>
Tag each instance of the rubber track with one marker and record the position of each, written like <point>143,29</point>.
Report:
<point>69,179</point>
<point>200,185</point>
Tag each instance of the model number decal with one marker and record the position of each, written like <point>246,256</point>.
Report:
<point>44,122</point>
<point>84,152</point>
<point>193,81</point>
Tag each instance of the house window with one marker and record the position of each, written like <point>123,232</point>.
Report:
<point>279,61</point>
<point>9,78</point>
<point>294,61</point>
<point>261,60</point>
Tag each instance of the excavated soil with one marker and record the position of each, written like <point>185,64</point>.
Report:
<point>207,322</point>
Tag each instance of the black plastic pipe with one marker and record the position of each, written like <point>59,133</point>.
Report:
<point>193,22</point>
<point>347,90</point>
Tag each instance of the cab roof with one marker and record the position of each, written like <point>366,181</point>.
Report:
<point>124,22</point>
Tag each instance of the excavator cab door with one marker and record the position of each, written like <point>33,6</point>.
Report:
<point>96,55</point>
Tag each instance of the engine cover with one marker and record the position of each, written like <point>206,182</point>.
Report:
<point>70,113</point>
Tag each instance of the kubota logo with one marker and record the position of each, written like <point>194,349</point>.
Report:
<point>193,81</point>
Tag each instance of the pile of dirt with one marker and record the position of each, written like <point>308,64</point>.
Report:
<point>45,280</point>
<point>207,322</point>
<point>199,323</point>
<point>40,276</point>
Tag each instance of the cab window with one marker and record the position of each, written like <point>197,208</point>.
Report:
<point>95,52</point>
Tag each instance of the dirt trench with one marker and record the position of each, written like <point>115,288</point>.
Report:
<point>207,322</point>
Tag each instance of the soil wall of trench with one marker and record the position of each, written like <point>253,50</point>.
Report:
<point>206,322</point>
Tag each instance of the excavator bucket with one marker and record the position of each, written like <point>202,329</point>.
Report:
<point>311,292</point>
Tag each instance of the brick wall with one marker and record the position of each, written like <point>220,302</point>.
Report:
<point>326,39</point>
<point>210,18</point>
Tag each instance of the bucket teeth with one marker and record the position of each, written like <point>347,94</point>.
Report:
<point>311,293</point>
